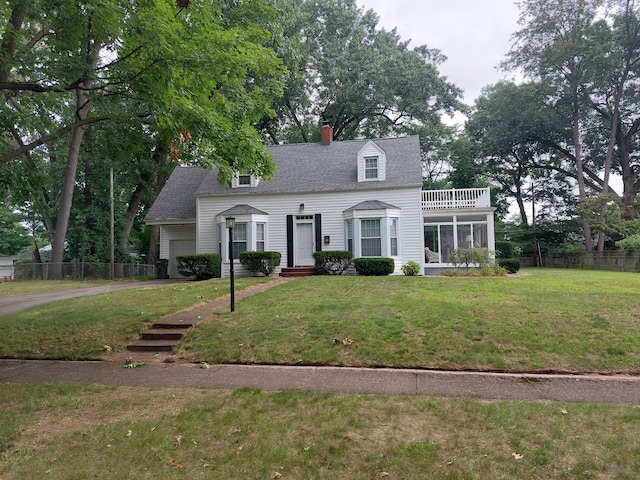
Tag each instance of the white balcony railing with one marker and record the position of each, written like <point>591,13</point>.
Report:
<point>456,198</point>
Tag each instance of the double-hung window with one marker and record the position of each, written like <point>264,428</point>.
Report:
<point>260,236</point>
<point>393,237</point>
<point>371,168</point>
<point>239,239</point>
<point>370,237</point>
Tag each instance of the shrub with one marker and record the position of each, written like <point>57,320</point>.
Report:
<point>411,268</point>
<point>260,262</point>
<point>374,266</point>
<point>200,266</point>
<point>629,244</point>
<point>504,249</point>
<point>332,262</point>
<point>568,249</point>
<point>477,257</point>
<point>511,265</point>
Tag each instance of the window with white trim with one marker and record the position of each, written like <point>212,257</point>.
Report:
<point>371,168</point>
<point>349,230</point>
<point>260,236</point>
<point>370,237</point>
<point>244,179</point>
<point>239,239</point>
<point>393,237</point>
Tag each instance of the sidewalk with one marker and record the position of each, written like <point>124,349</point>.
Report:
<point>568,388</point>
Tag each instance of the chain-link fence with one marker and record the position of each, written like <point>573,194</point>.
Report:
<point>82,270</point>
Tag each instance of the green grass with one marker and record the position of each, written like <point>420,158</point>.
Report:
<point>560,320</point>
<point>51,431</point>
<point>27,287</point>
<point>546,320</point>
<point>80,328</point>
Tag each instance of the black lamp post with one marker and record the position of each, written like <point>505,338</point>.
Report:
<point>230,224</point>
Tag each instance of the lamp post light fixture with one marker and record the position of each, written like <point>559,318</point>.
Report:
<point>231,221</point>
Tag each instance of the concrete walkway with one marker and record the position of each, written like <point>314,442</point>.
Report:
<point>568,388</point>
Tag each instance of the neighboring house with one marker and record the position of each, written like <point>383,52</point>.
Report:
<point>361,195</point>
<point>6,267</point>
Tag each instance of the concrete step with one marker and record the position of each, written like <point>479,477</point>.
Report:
<point>152,345</point>
<point>163,334</point>
<point>173,324</point>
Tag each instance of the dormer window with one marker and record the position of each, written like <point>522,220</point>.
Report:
<point>244,179</point>
<point>372,162</point>
<point>371,168</point>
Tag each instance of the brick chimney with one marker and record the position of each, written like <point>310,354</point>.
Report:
<point>327,133</point>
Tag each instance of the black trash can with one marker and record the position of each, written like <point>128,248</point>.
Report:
<point>162,268</point>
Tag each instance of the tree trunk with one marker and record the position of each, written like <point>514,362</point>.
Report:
<point>577,146</point>
<point>152,252</point>
<point>66,199</point>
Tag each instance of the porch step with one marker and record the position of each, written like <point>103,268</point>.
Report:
<point>298,271</point>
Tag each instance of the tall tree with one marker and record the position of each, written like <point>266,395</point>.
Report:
<point>194,79</point>
<point>364,81</point>
<point>557,45</point>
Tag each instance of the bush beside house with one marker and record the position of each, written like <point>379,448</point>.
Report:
<point>260,262</point>
<point>201,266</point>
<point>332,262</point>
<point>374,266</point>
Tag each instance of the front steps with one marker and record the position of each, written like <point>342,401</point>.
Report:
<point>298,271</point>
<point>162,336</point>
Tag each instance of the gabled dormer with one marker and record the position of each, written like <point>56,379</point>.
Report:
<point>372,163</point>
<point>244,179</point>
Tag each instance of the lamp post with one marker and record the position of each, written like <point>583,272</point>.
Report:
<point>231,221</point>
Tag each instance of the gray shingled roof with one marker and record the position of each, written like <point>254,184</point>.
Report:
<point>177,198</point>
<point>372,205</point>
<point>303,167</point>
<point>243,210</point>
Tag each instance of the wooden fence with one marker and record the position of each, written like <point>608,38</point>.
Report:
<point>615,261</point>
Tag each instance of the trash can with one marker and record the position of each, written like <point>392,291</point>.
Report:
<point>162,268</point>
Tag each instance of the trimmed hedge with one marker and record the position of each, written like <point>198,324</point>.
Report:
<point>202,266</point>
<point>374,266</point>
<point>511,265</point>
<point>332,262</point>
<point>260,262</point>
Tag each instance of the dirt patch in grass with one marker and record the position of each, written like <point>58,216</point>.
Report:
<point>86,411</point>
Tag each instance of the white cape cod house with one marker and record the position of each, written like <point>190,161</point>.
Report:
<point>362,195</point>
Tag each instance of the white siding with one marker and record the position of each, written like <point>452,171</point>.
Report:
<point>175,232</point>
<point>330,205</point>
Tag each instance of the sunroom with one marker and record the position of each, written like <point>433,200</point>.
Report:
<point>454,219</point>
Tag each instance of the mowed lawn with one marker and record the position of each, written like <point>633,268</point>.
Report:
<point>546,319</point>
<point>542,320</point>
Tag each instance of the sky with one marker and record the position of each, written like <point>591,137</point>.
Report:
<point>474,35</point>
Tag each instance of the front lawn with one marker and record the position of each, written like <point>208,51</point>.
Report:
<point>546,320</point>
<point>88,327</point>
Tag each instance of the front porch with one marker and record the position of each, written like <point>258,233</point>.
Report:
<point>452,219</point>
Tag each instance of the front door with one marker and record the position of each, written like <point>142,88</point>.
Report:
<point>304,244</point>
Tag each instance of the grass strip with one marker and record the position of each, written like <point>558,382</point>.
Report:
<point>49,431</point>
